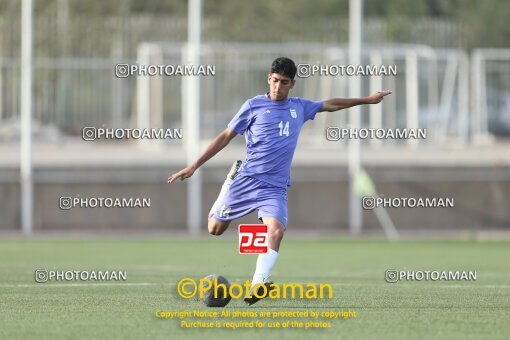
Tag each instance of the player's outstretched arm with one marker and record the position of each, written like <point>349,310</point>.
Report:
<point>216,146</point>
<point>337,104</point>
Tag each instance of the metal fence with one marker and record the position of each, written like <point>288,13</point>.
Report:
<point>74,35</point>
<point>455,96</point>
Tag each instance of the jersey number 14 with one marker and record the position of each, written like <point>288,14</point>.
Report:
<point>284,129</point>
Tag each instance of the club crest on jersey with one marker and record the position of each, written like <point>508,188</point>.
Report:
<point>293,113</point>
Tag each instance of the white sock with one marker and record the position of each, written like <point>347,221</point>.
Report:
<point>265,263</point>
<point>222,194</point>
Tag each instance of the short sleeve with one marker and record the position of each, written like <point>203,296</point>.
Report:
<point>310,108</point>
<point>242,119</point>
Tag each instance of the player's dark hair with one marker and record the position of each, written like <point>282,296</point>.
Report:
<point>284,66</point>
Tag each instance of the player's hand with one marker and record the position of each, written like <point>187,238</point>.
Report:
<point>377,97</point>
<point>182,175</point>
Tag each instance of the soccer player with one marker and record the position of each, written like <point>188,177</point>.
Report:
<point>271,124</point>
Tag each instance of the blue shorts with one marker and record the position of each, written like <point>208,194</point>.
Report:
<point>247,194</point>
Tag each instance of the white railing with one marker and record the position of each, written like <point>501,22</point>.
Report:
<point>458,98</point>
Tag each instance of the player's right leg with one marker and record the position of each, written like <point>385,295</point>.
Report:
<point>215,226</point>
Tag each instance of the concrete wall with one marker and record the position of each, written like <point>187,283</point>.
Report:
<point>318,198</point>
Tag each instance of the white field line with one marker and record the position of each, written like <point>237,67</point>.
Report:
<point>158,269</point>
<point>106,284</point>
<point>60,285</point>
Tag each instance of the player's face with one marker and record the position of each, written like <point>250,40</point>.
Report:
<point>279,86</point>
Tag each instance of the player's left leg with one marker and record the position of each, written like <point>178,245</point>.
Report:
<point>276,230</point>
<point>265,262</point>
<point>273,213</point>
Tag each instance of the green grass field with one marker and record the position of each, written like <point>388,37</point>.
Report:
<point>356,269</point>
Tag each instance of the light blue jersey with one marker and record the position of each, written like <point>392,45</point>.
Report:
<point>271,129</point>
